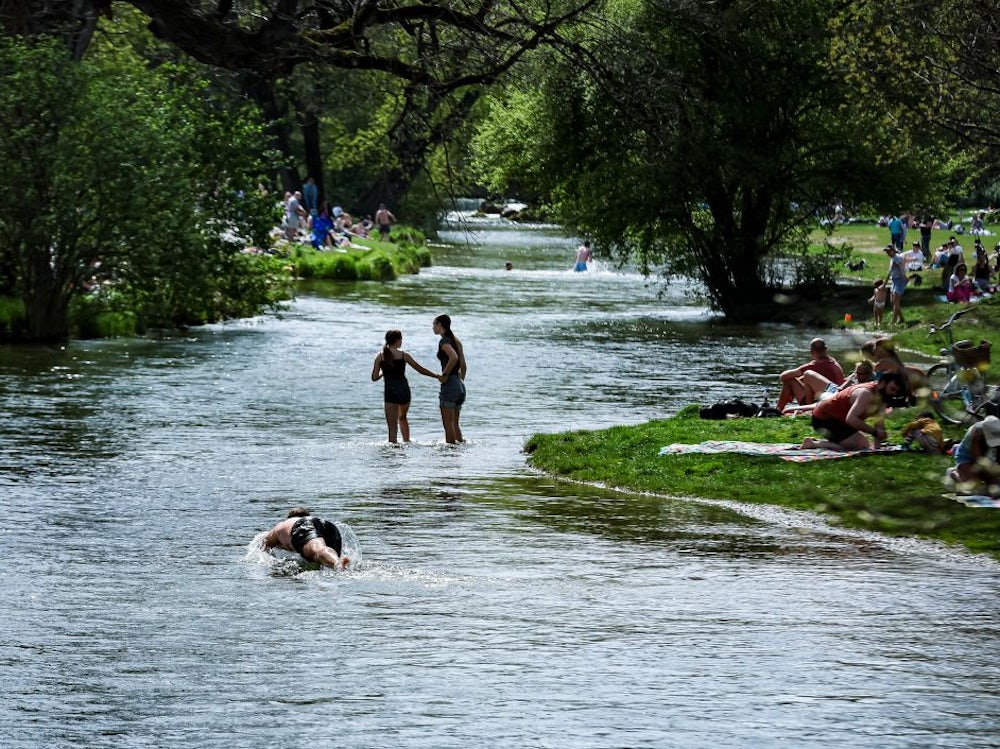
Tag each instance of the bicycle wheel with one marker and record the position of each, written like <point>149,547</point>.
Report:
<point>985,405</point>
<point>948,396</point>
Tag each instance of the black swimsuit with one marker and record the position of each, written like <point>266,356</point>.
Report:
<point>397,389</point>
<point>307,528</point>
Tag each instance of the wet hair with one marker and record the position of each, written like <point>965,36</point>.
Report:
<point>878,282</point>
<point>391,336</point>
<point>299,512</point>
<point>445,322</point>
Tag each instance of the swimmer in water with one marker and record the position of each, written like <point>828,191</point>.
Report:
<point>583,256</point>
<point>315,539</point>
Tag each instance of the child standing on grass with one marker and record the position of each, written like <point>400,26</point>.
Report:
<point>878,297</point>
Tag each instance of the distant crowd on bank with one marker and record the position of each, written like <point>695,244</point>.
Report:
<point>957,283</point>
<point>307,219</point>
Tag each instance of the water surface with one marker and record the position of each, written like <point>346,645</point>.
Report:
<point>493,605</point>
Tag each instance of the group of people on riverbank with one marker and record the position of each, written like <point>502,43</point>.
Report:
<point>306,219</point>
<point>957,283</point>
<point>845,410</point>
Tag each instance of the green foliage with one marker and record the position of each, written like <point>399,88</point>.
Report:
<point>711,147</point>
<point>13,325</point>
<point>128,175</point>
<point>379,261</point>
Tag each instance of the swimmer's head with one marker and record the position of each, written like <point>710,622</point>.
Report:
<point>299,512</point>
<point>393,336</point>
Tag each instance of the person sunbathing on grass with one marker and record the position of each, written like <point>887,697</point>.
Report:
<point>842,418</point>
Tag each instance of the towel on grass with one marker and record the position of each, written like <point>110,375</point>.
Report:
<point>783,450</point>
<point>974,500</point>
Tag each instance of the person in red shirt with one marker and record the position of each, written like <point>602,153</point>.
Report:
<point>842,418</point>
<point>793,388</point>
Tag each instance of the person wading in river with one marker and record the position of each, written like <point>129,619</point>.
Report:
<point>317,540</point>
<point>452,357</point>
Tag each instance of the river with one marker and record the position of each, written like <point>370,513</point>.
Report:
<point>492,605</point>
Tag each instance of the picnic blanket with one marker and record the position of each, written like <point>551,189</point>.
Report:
<point>783,450</point>
<point>974,500</point>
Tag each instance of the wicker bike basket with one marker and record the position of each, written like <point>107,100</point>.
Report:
<point>968,355</point>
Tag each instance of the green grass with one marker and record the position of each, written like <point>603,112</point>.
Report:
<point>896,494</point>
<point>378,261</point>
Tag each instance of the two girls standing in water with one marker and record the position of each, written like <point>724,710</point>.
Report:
<point>391,362</point>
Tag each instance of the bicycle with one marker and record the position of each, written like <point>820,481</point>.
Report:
<point>958,392</point>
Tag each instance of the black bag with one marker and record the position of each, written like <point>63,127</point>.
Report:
<point>727,409</point>
<point>767,412</point>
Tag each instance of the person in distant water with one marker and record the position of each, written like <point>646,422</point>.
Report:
<point>310,196</point>
<point>583,256</point>
<point>384,220</point>
<point>508,265</point>
<point>317,540</point>
<point>390,363</point>
<point>453,369</point>
<point>793,388</point>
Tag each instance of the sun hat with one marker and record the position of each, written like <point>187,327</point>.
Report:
<point>991,430</point>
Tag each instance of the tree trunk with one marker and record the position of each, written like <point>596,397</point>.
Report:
<point>311,146</point>
<point>46,299</point>
<point>275,112</point>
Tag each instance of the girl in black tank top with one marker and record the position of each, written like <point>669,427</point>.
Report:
<point>390,364</point>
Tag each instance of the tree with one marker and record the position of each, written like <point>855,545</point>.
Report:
<point>125,178</point>
<point>437,54</point>
<point>709,150</point>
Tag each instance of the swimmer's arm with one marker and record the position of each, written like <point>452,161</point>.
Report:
<point>377,369</point>
<point>270,540</point>
<point>419,367</point>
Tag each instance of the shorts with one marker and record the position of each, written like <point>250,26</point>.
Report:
<point>833,429</point>
<point>879,305</point>
<point>397,391</point>
<point>309,528</point>
<point>579,267</point>
<point>303,531</point>
<point>963,455</point>
<point>452,393</point>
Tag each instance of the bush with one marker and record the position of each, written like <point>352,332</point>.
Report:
<point>13,323</point>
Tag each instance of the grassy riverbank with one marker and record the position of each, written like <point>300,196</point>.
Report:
<point>898,494</point>
<point>367,260</point>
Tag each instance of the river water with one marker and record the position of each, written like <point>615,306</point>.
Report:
<point>492,605</point>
